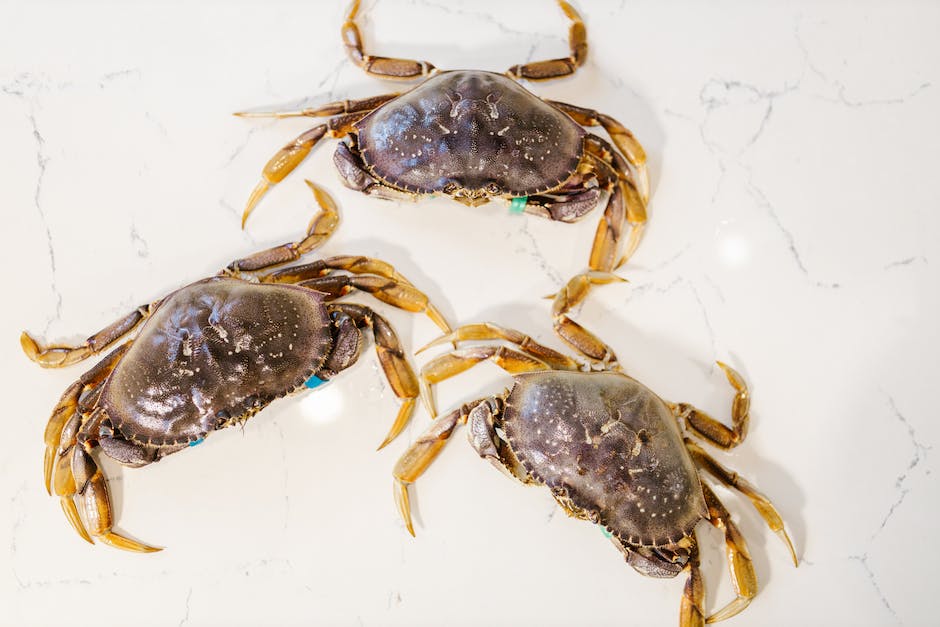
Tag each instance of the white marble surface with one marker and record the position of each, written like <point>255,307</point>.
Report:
<point>794,233</point>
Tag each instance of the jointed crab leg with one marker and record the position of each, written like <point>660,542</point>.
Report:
<point>377,277</point>
<point>421,453</point>
<point>69,469</point>
<point>59,355</point>
<point>573,333</point>
<point>453,363</point>
<point>626,208</point>
<point>325,110</point>
<point>622,137</point>
<point>321,228</point>
<point>383,67</point>
<point>712,430</point>
<point>92,487</point>
<point>396,293</point>
<point>491,331</point>
<point>398,371</point>
<point>691,610</point>
<point>290,156</point>
<point>739,559</point>
<point>556,68</point>
<point>68,406</point>
<point>733,480</point>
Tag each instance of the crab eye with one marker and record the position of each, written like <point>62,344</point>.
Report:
<point>493,189</point>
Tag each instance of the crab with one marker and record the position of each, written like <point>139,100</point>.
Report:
<point>610,450</point>
<point>210,355</point>
<point>476,136</point>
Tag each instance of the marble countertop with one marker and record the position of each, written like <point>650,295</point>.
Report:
<point>793,233</point>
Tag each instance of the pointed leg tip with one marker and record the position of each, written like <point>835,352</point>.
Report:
<point>260,190</point>
<point>120,542</point>
<point>733,608</point>
<point>786,540</point>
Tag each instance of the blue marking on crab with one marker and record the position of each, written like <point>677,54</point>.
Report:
<point>314,381</point>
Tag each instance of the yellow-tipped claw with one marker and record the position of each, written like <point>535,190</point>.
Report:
<point>735,379</point>
<point>403,503</point>
<point>120,542</point>
<point>404,415</point>
<point>48,463</point>
<point>449,337</point>
<point>733,608</point>
<point>71,513</point>
<point>437,318</point>
<point>427,397</point>
<point>782,534</point>
<point>257,193</point>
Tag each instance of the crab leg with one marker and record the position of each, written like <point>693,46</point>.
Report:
<point>691,610</point>
<point>491,331</point>
<point>59,355</point>
<point>321,228</point>
<point>92,487</point>
<point>626,207</point>
<point>739,559</point>
<point>421,453</point>
<point>570,207</point>
<point>733,480</point>
<point>69,469</point>
<point>622,137</point>
<point>325,110</point>
<point>396,284</point>
<point>573,333</point>
<point>453,363</point>
<point>383,67</point>
<point>357,264</point>
<point>396,293</point>
<point>68,406</point>
<point>290,156</point>
<point>398,371</point>
<point>710,429</point>
<point>556,68</point>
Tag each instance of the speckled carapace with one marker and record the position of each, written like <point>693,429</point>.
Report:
<point>610,450</point>
<point>476,136</point>
<point>213,354</point>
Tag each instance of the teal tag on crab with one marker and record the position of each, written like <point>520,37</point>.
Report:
<point>606,533</point>
<point>517,205</point>
<point>314,381</point>
<point>195,442</point>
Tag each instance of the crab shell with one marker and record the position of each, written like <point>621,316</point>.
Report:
<point>609,449</point>
<point>213,352</point>
<point>499,137</point>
